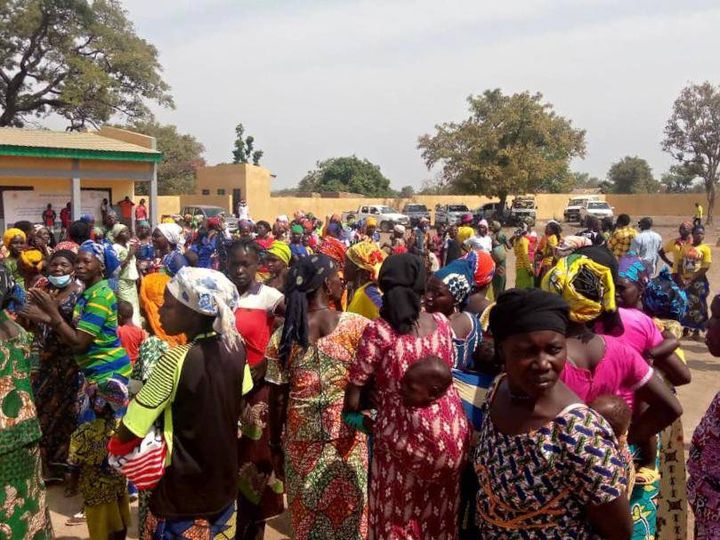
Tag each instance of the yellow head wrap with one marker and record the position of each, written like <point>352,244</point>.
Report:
<point>371,222</point>
<point>281,250</point>
<point>367,256</point>
<point>561,279</point>
<point>12,233</point>
<point>152,297</point>
<point>32,259</point>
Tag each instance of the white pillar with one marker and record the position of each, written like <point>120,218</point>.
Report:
<point>154,210</point>
<point>75,191</point>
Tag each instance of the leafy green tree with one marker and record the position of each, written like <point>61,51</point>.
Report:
<point>679,179</point>
<point>509,145</point>
<point>78,59</point>
<point>182,154</point>
<point>350,174</point>
<point>244,150</point>
<point>632,174</point>
<point>406,192</point>
<point>585,181</point>
<point>692,135</point>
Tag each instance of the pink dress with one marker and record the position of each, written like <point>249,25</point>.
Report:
<point>418,452</point>
<point>621,372</point>
<point>639,330</point>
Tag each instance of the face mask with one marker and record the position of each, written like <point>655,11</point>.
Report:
<point>60,281</point>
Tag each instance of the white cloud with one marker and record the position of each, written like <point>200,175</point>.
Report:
<point>313,80</point>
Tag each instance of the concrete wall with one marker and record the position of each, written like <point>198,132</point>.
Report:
<point>130,137</point>
<point>657,204</point>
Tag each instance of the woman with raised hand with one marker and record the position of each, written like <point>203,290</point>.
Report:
<point>421,433</point>
<point>547,464</point>
<point>308,362</point>
<point>197,389</point>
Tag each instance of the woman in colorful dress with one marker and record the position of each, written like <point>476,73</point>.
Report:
<point>695,261</point>
<point>569,479</point>
<point>524,275</point>
<point>23,510</point>
<point>126,250</point>
<point>14,242</point>
<point>674,247</point>
<point>197,389</point>
<point>206,244</point>
<point>545,254</point>
<point>260,496</point>
<point>362,263</point>
<point>325,461</point>
<point>418,451</point>
<point>58,381</point>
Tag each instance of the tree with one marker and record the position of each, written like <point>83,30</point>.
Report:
<point>585,181</point>
<point>692,135</point>
<point>245,148</point>
<point>81,60</point>
<point>678,179</point>
<point>509,145</point>
<point>406,192</point>
<point>346,174</point>
<point>632,174</point>
<point>182,154</point>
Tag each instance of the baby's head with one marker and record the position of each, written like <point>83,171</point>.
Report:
<point>615,411</point>
<point>425,381</point>
<point>125,312</point>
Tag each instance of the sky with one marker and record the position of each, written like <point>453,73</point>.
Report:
<point>318,79</point>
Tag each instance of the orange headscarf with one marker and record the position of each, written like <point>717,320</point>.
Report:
<point>152,291</point>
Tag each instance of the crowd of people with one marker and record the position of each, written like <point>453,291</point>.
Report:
<point>374,386</point>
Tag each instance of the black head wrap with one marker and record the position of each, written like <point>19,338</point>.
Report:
<point>65,254</point>
<point>307,275</point>
<point>601,255</point>
<point>402,281</point>
<point>519,311</point>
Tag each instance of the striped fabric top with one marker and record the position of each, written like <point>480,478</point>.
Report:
<point>96,314</point>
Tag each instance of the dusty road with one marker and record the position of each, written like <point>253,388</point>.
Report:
<point>695,399</point>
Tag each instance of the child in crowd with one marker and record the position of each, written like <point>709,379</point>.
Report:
<point>618,415</point>
<point>131,336</point>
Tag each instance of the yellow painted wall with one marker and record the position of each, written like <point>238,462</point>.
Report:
<point>663,204</point>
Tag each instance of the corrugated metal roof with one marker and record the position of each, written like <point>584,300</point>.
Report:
<point>16,141</point>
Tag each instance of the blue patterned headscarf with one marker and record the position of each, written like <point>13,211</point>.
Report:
<point>459,277</point>
<point>664,299</point>
<point>632,268</point>
<point>106,255</point>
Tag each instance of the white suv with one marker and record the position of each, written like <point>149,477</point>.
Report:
<point>599,209</point>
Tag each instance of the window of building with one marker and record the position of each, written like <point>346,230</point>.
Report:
<point>206,192</point>
<point>221,191</point>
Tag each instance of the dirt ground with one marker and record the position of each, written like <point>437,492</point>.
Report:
<point>694,397</point>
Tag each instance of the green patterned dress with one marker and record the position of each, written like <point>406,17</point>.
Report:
<point>23,510</point>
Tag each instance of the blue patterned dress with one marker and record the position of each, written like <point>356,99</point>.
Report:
<point>538,484</point>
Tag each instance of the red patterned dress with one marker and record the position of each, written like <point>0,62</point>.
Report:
<point>418,452</point>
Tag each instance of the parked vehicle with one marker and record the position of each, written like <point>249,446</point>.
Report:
<point>450,214</point>
<point>572,210</point>
<point>386,217</point>
<point>523,207</point>
<point>204,211</point>
<point>415,212</point>
<point>599,209</point>
<point>492,211</point>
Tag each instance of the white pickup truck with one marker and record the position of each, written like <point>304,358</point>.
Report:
<point>386,217</point>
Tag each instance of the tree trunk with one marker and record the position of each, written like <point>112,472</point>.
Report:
<point>711,204</point>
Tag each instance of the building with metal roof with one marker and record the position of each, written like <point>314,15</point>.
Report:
<point>60,166</point>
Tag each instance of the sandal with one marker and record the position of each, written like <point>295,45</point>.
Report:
<point>76,519</point>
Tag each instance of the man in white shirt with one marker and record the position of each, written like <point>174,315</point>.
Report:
<point>243,210</point>
<point>647,244</point>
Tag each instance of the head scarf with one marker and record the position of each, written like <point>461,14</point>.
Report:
<point>334,229</point>
<point>167,221</point>
<point>211,293</point>
<point>105,255</point>
<point>664,299</point>
<point>371,222</point>
<point>116,230</point>
<point>67,254</point>
<point>296,228</point>
<point>632,268</point>
<point>400,229</point>
<point>280,250</point>
<point>307,275</point>
<point>367,256</point>
<point>333,248</point>
<point>495,226</point>
<point>152,297</point>
<point>143,223</point>
<point>87,218</point>
<point>483,223</point>
<point>173,232</point>
<point>32,259</point>
<point>483,267</point>
<point>466,219</point>
<point>519,311</point>
<point>587,286</point>
<point>569,244</point>
<point>214,223</point>
<point>282,219</point>
<point>459,277</point>
<point>308,225</point>
<point>12,233</point>
<point>402,281</point>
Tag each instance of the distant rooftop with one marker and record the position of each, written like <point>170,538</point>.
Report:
<point>71,144</point>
